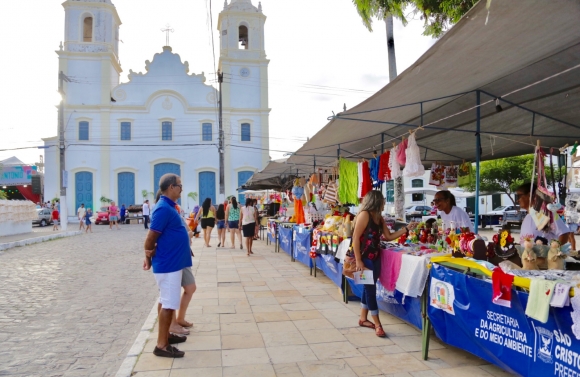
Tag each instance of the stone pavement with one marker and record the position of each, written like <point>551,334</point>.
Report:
<point>73,306</point>
<point>266,316</point>
<point>38,234</point>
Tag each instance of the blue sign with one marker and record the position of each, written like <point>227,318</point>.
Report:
<point>330,267</point>
<point>463,315</point>
<point>285,239</point>
<point>302,246</point>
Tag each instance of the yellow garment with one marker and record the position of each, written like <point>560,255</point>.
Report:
<point>209,214</point>
<point>348,182</point>
<point>541,292</point>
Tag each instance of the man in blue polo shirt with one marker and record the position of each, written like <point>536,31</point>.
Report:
<point>168,258</point>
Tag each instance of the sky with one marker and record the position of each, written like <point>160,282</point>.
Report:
<point>321,57</point>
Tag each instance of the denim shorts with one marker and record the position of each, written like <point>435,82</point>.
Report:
<point>113,218</point>
<point>233,224</point>
<point>221,224</point>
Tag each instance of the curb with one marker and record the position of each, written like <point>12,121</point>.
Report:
<point>30,241</point>
<point>126,368</point>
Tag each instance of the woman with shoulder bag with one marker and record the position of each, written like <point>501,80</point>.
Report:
<point>369,226</point>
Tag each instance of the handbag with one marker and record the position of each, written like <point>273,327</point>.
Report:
<point>538,210</point>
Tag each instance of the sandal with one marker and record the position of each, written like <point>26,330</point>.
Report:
<point>174,339</point>
<point>366,323</point>
<point>380,332</point>
<point>169,351</point>
<point>179,331</point>
<point>219,244</point>
<point>241,247</point>
<point>185,324</point>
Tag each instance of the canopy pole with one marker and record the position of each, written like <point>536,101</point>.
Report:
<point>533,122</point>
<point>314,164</point>
<point>338,152</point>
<point>477,158</point>
<point>382,142</point>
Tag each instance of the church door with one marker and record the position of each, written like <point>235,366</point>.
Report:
<point>243,177</point>
<point>160,170</point>
<point>83,190</point>
<point>125,189</point>
<point>207,186</point>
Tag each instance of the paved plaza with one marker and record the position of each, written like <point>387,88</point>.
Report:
<point>74,307</point>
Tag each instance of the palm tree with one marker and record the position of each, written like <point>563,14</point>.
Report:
<point>193,196</point>
<point>144,193</point>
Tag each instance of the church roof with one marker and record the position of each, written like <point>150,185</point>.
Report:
<point>11,161</point>
<point>165,75</point>
<point>242,5</point>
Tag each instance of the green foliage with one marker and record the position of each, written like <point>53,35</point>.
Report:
<point>3,195</point>
<point>507,174</point>
<point>144,193</point>
<point>438,15</point>
<point>192,195</point>
<point>105,199</point>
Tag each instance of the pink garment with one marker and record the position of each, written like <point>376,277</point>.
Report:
<point>401,152</point>
<point>390,268</point>
<point>114,211</point>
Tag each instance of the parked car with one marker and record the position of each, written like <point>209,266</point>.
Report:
<point>514,218</point>
<point>497,216</point>
<point>44,217</point>
<point>417,212</point>
<point>102,216</point>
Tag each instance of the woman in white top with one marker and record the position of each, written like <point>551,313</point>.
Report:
<point>248,221</point>
<point>557,231</point>
<point>450,213</point>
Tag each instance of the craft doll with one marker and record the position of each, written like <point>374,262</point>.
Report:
<point>529,259</point>
<point>555,256</point>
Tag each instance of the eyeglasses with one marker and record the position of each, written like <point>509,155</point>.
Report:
<point>437,200</point>
<point>180,186</point>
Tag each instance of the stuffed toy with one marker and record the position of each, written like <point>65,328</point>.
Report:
<point>555,256</point>
<point>529,258</point>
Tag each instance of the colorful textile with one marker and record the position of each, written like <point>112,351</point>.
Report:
<point>330,194</point>
<point>402,152</point>
<point>413,275</point>
<point>375,163</point>
<point>502,287</point>
<point>348,183</point>
<point>394,163</point>
<point>391,267</point>
<point>365,179</point>
<point>299,212</point>
<point>384,170</point>
<point>541,292</point>
<point>465,174</point>
<point>437,176</point>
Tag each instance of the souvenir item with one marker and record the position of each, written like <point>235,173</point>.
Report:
<point>437,175</point>
<point>539,210</point>
<point>504,244</point>
<point>529,258</point>
<point>413,166</point>
<point>451,176</point>
<point>555,256</point>
<point>394,163</point>
<point>384,170</point>
<point>464,174</point>
<point>401,153</point>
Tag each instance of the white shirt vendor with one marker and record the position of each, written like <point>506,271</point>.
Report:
<point>458,216</point>
<point>553,233</point>
<point>146,209</point>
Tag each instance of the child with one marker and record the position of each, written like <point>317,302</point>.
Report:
<point>87,220</point>
<point>54,218</point>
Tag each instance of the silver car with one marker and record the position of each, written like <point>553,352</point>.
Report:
<point>44,217</point>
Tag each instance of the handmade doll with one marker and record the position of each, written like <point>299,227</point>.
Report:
<point>555,256</point>
<point>529,259</point>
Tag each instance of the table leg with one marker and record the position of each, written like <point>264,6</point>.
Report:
<point>426,325</point>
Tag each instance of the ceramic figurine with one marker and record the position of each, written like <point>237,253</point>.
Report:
<point>555,256</point>
<point>529,259</point>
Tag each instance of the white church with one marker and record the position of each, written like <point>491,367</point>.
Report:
<point>120,138</point>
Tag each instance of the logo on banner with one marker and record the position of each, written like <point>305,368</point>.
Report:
<point>546,343</point>
<point>301,248</point>
<point>442,296</point>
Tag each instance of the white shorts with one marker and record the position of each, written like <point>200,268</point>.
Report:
<point>169,289</point>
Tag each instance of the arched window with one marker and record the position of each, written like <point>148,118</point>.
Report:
<point>243,37</point>
<point>88,29</point>
<point>246,132</point>
<point>417,183</point>
<point>84,130</point>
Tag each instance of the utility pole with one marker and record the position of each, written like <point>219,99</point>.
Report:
<point>63,213</point>
<point>221,141</point>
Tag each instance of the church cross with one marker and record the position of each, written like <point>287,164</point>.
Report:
<point>167,30</point>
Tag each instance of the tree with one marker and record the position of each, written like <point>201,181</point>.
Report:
<point>438,15</point>
<point>193,196</point>
<point>505,175</point>
<point>2,195</point>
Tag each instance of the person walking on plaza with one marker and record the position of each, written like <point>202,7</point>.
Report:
<point>207,215</point>
<point>220,217</point>
<point>168,252</point>
<point>55,218</point>
<point>123,213</point>
<point>81,215</point>
<point>248,221</point>
<point>368,228</point>
<point>146,213</point>
<point>113,216</point>
<point>87,220</point>
<point>233,220</point>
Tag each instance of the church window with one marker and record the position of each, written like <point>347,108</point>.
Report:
<point>246,132</point>
<point>206,132</point>
<point>125,130</point>
<point>243,37</point>
<point>166,131</point>
<point>417,183</point>
<point>84,130</point>
<point>88,29</point>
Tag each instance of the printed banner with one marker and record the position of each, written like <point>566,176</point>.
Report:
<point>285,239</point>
<point>503,336</point>
<point>16,175</point>
<point>330,267</point>
<point>302,246</point>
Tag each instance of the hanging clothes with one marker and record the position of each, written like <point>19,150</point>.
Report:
<point>315,179</point>
<point>365,179</point>
<point>437,176</point>
<point>413,166</point>
<point>348,184</point>
<point>375,163</point>
<point>359,188</point>
<point>330,195</point>
<point>384,170</point>
<point>394,164</point>
<point>541,292</point>
<point>502,287</point>
<point>401,152</point>
<point>451,176</point>
<point>299,212</point>
<point>465,174</point>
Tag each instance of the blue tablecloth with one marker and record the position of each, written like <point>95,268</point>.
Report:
<point>301,245</point>
<point>330,267</point>
<point>285,239</point>
<point>463,315</point>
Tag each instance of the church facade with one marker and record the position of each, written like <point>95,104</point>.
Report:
<point>120,138</point>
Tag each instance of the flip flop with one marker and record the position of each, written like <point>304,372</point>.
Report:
<point>187,324</point>
<point>366,323</point>
<point>179,332</point>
